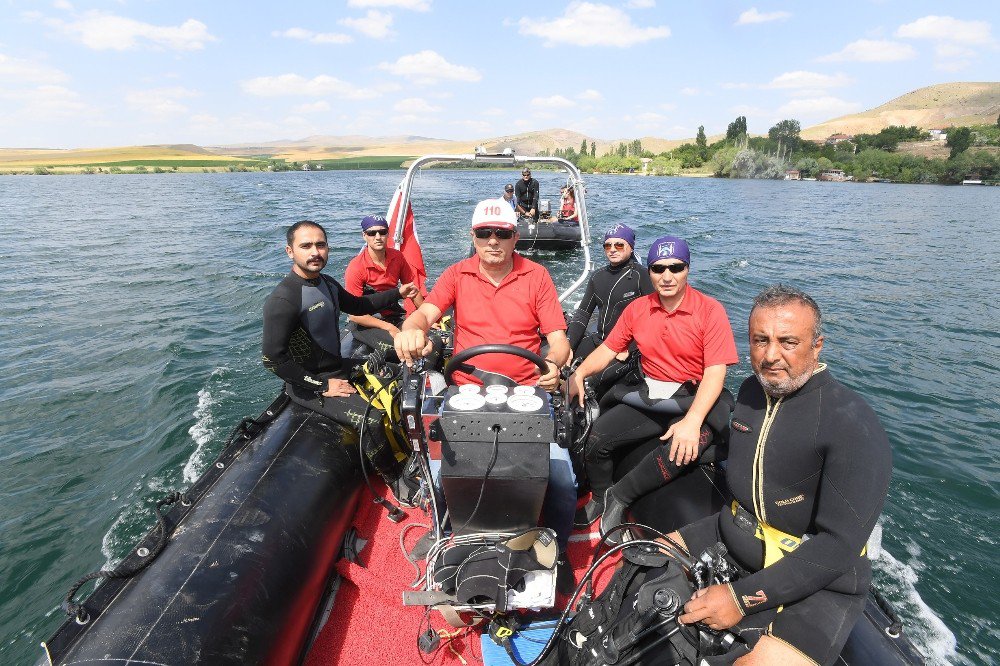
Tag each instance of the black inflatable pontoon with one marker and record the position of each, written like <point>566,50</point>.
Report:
<point>248,558</point>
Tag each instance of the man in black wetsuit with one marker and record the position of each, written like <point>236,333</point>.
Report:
<point>526,195</point>
<point>301,341</point>
<point>809,467</point>
<point>609,290</point>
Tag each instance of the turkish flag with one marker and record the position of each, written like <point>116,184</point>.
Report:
<point>410,246</point>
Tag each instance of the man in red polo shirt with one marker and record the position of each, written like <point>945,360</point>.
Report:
<point>378,268</point>
<point>685,343</point>
<point>500,297</point>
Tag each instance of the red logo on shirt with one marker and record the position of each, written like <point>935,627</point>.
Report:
<point>739,426</point>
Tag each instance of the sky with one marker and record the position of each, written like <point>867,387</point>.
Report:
<point>135,72</point>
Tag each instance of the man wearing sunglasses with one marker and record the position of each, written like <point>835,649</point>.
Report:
<point>608,291</point>
<point>375,269</point>
<point>526,195</point>
<point>685,343</point>
<point>499,297</point>
<point>508,195</point>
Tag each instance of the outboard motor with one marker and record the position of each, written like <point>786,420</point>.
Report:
<point>495,456</point>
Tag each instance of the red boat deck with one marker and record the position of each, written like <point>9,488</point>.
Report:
<point>370,625</point>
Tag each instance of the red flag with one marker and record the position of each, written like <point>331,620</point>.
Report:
<point>410,246</point>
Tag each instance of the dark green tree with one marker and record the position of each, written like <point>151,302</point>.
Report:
<point>787,133</point>
<point>593,149</point>
<point>701,140</point>
<point>583,147</point>
<point>736,129</point>
<point>959,139</point>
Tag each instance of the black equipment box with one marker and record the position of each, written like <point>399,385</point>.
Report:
<point>507,495</point>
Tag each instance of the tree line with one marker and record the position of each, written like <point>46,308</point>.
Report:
<point>874,156</point>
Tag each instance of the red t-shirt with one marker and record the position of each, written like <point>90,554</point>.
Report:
<point>363,272</point>
<point>676,346</point>
<point>524,305</point>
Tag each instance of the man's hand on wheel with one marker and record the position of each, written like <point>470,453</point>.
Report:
<point>550,380</point>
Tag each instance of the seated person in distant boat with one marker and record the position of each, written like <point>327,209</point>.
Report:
<point>567,212</point>
<point>301,341</point>
<point>809,467</point>
<point>508,196</point>
<point>499,297</point>
<point>378,268</point>
<point>608,291</point>
<point>685,343</point>
<point>526,194</point>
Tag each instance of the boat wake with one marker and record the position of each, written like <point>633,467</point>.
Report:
<point>898,580</point>
<point>204,428</point>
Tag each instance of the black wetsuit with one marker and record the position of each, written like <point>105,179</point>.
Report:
<point>815,463</point>
<point>526,195</point>
<point>609,290</point>
<point>301,344</point>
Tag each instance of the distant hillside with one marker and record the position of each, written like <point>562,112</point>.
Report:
<point>933,107</point>
<point>15,158</point>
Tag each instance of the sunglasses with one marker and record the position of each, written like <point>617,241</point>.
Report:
<point>673,268</point>
<point>377,232</point>
<point>618,245</point>
<point>501,234</point>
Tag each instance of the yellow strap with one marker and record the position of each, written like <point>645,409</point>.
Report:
<point>776,542</point>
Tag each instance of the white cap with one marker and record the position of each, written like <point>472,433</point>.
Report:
<point>494,213</point>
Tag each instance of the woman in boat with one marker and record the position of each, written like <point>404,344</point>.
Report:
<point>608,291</point>
<point>685,343</point>
<point>568,213</point>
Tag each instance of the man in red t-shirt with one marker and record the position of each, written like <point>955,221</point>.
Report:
<point>378,268</point>
<point>685,343</point>
<point>500,297</point>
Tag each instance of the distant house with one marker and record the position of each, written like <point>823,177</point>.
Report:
<point>793,174</point>
<point>938,135</point>
<point>834,139</point>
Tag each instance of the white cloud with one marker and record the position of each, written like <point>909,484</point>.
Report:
<point>63,4</point>
<point>46,102</point>
<point>103,32</point>
<point>160,103</point>
<point>641,4</point>
<point>492,112</point>
<point>428,67</point>
<point>752,16</point>
<point>311,107</point>
<point>647,121</point>
<point>314,37</point>
<point>953,39</point>
<point>947,29</point>
<point>414,106</point>
<point>590,95</point>
<point>293,84</point>
<point>872,50</point>
<point>668,106</point>
<point>553,102</point>
<point>16,70</point>
<point>374,24</point>
<point>414,5</point>
<point>690,92</point>
<point>810,80</point>
<point>591,24</point>
<point>822,107</point>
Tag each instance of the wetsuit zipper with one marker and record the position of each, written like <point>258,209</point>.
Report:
<point>758,458</point>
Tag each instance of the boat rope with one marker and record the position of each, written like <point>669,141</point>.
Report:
<point>77,611</point>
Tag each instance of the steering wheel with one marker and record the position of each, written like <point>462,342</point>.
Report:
<point>464,355</point>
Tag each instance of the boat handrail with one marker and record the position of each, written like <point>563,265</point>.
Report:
<point>576,181</point>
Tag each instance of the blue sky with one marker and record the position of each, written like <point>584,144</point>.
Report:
<point>125,72</point>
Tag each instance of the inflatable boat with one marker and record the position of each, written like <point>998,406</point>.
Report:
<point>246,565</point>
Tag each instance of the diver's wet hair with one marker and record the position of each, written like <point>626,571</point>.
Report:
<point>290,234</point>
<point>783,294</point>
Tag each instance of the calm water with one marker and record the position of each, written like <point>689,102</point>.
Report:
<point>131,329</point>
